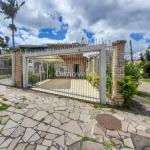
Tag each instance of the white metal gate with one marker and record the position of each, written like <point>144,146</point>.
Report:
<point>77,72</point>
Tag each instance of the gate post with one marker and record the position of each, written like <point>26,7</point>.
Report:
<point>118,69</point>
<point>18,69</point>
<point>102,71</point>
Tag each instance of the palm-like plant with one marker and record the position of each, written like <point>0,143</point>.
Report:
<point>12,27</point>
<point>7,39</point>
<point>10,9</point>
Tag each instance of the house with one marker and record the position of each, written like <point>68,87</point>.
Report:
<point>71,66</point>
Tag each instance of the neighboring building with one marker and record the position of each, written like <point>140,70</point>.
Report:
<point>64,46</point>
<point>33,48</point>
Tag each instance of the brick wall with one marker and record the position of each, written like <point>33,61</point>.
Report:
<point>18,69</point>
<point>117,69</point>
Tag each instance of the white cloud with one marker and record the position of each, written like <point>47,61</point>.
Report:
<point>110,20</point>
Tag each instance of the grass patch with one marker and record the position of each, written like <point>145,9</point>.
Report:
<point>80,148</point>
<point>5,76</point>
<point>60,97</point>
<point>5,99</point>
<point>9,87</point>
<point>143,96</point>
<point>48,112</point>
<point>113,111</point>
<point>144,120</point>
<point>145,80</point>
<point>23,99</point>
<point>4,106</point>
<point>85,138</point>
<point>42,119</point>
<point>18,107</point>
<point>99,106</point>
<point>109,145</point>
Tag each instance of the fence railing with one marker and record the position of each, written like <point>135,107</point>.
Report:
<point>5,71</point>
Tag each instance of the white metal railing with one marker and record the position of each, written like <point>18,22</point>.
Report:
<point>38,50</point>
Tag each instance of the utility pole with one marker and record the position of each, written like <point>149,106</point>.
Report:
<point>131,51</point>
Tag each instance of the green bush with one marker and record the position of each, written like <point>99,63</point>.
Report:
<point>51,72</point>
<point>109,85</point>
<point>108,79</point>
<point>96,80</point>
<point>144,66</point>
<point>133,70</point>
<point>128,89</point>
<point>89,76</point>
<point>32,79</point>
<point>145,75</point>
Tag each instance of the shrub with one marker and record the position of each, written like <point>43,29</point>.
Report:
<point>109,85</point>
<point>145,75</point>
<point>144,66</point>
<point>32,79</point>
<point>89,76</point>
<point>108,79</point>
<point>128,89</point>
<point>96,80</point>
<point>133,70</point>
<point>51,72</point>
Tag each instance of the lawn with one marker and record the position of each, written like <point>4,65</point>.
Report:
<point>5,76</point>
<point>145,80</point>
<point>143,96</point>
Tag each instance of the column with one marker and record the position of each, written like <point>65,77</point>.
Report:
<point>118,69</point>
<point>18,69</point>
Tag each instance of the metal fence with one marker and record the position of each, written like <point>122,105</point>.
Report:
<point>72,75</point>
<point>6,70</point>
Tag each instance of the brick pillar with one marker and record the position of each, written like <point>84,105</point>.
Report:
<point>18,69</point>
<point>118,71</point>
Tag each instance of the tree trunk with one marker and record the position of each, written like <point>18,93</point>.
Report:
<point>13,40</point>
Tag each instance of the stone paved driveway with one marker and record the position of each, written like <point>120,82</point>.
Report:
<point>7,81</point>
<point>38,121</point>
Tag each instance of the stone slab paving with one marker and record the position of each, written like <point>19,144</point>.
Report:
<point>39,121</point>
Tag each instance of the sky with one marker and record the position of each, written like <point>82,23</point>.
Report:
<point>41,22</point>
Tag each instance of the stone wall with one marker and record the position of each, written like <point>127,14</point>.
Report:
<point>118,69</point>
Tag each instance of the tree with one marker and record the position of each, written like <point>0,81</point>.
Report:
<point>12,27</point>
<point>142,57</point>
<point>147,55</point>
<point>4,42</point>
<point>10,9</point>
<point>132,70</point>
<point>7,39</point>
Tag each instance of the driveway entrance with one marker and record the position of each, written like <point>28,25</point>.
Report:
<point>76,88</point>
<point>77,72</point>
